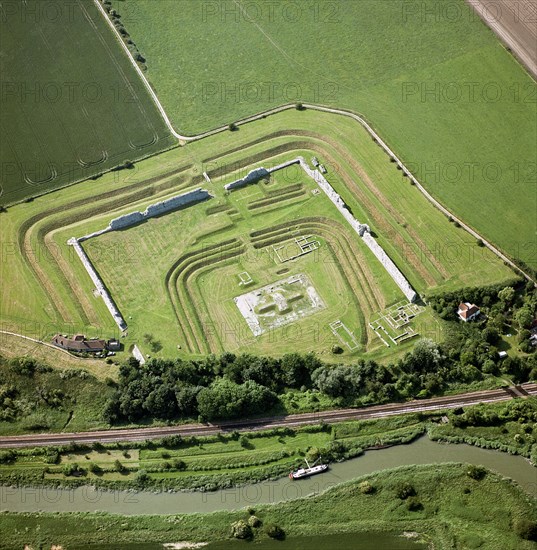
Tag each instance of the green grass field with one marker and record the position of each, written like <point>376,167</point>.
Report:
<point>71,104</point>
<point>436,84</point>
<point>54,291</point>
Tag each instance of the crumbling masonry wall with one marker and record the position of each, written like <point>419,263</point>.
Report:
<point>157,209</point>
<point>99,285</point>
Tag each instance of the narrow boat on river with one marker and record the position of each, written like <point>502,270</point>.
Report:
<point>309,471</point>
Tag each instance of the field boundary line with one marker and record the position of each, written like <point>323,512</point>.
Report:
<point>139,71</point>
<point>505,36</point>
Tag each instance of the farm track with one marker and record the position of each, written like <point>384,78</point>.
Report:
<point>292,421</point>
<point>524,39</point>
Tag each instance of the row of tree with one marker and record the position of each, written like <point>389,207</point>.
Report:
<point>234,386</point>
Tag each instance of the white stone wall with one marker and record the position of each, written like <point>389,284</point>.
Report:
<point>362,230</point>
<point>251,177</point>
<point>137,354</point>
<point>99,285</point>
<point>122,222</point>
<point>390,267</point>
<point>284,165</point>
<point>197,195</point>
<point>159,208</point>
<point>126,221</point>
<point>94,234</point>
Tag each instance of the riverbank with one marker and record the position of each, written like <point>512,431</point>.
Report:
<point>442,502</point>
<point>232,460</point>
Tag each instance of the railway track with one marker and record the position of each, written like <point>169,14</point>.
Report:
<point>295,420</point>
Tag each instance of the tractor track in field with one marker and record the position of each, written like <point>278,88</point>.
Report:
<point>292,421</point>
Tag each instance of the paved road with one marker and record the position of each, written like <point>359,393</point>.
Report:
<point>379,411</point>
<point>515,23</point>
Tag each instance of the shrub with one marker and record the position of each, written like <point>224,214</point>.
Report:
<point>476,472</point>
<point>366,488</point>
<point>232,127</point>
<point>254,521</point>
<point>413,504</point>
<point>241,530</point>
<point>172,441</point>
<point>142,477</point>
<point>404,490</point>
<point>179,464</point>
<point>25,366</point>
<point>51,457</point>
<point>525,529</point>
<point>337,350</point>
<point>73,470</point>
<point>118,467</point>
<point>6,457</point>
<point>275,531</point>
<point>94,468</point>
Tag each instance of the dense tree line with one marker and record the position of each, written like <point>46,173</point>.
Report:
<point>506,309</point>
<point>234,386</point>
<point>228,386</point>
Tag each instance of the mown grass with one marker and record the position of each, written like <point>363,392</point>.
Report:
<point>429,250</point>
<point>431,83</point>
<point>452,510</point>
<point>74,107</point>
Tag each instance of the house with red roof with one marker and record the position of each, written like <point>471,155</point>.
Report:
<point>468,312</point>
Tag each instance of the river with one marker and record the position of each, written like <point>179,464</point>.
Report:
<point>347,541</point>
<point>421,451</point>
